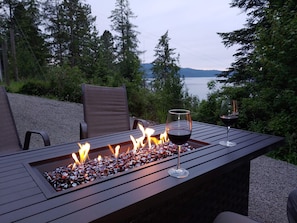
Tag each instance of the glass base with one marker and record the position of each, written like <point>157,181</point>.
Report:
<point>227,143</point>
<point>178,173</point>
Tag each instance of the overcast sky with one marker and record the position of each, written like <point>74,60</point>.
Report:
<point>192,27</point>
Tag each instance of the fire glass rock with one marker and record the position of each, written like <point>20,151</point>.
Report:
<point>66,177</point>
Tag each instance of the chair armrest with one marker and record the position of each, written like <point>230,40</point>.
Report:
<point>83,130</point>
<point>140,121</point>
<point>43,134</point>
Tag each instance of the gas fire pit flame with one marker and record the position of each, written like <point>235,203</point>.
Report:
<point>146,149</point>
<point>83,154</point>
<point>148,132</point>
<point>115,151</point>
<point>137,144</point>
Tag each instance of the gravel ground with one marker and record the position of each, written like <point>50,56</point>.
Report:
<point>59,119</point>
<point>270,181</point>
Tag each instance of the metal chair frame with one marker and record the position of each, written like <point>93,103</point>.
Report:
<point>10,140</point>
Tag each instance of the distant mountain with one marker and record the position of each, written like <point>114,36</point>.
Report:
<point>186,72</point>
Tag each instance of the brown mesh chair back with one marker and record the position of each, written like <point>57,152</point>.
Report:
<point>9,138</point>
<point>105,110</point>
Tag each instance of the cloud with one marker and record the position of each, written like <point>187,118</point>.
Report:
<point>192,26</point>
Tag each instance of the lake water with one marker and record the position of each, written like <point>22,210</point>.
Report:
<point>197,86</point>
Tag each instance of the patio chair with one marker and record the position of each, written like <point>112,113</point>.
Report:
<point>105,111</point>
<point>9,138</point>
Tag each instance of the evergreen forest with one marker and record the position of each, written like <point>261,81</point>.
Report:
<point>49,48</point>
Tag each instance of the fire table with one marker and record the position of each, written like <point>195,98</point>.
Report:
<point>218,181</point>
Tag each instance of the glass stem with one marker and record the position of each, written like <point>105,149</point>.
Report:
<point>228,129</point>
<point>178,157</point>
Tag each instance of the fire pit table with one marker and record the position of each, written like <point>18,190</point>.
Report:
<point>218,181</point>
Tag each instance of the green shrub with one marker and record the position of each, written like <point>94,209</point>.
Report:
<point>15,87</point>
<point>35,87</point>
<point>65,83</point>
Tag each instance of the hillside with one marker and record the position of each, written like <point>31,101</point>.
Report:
<point>186,72</point>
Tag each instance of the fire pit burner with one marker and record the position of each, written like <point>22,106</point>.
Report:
<point>58,175</point>
<point>73,175</point>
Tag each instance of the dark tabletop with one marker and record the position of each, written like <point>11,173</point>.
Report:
<point>25,199</point>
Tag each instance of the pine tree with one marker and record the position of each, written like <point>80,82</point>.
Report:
<point>7,8</point>
<point>127,56</point>
<point>126,43</point>
<point>106,63</point>
<point>245,38</point>
<point>72,33</point>
<point>31,49</point>
<point>167,83</point>
<point>264,72</point>
<point>26,37</point>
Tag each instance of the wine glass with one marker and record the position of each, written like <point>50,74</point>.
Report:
<point>229,116</point>
<point>178,129</point>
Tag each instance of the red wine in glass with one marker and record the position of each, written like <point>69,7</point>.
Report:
<point>229,116</point>
<point>229,120</point>
<point>178,129</point>
<point>179,136</point>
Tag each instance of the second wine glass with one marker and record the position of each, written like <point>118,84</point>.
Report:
<point>179,130</point>
<point>229,116</point>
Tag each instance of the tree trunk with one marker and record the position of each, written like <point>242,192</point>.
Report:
<point>5,62</point>
<point>13,52</point>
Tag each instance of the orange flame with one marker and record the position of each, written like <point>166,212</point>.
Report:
<point>83,154</point>
<point>137,144</point>
<point>163,137</point>
<point>141,139</point>
<point>99,158</point>
<point>148,132</point>
<point>115,151</point>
